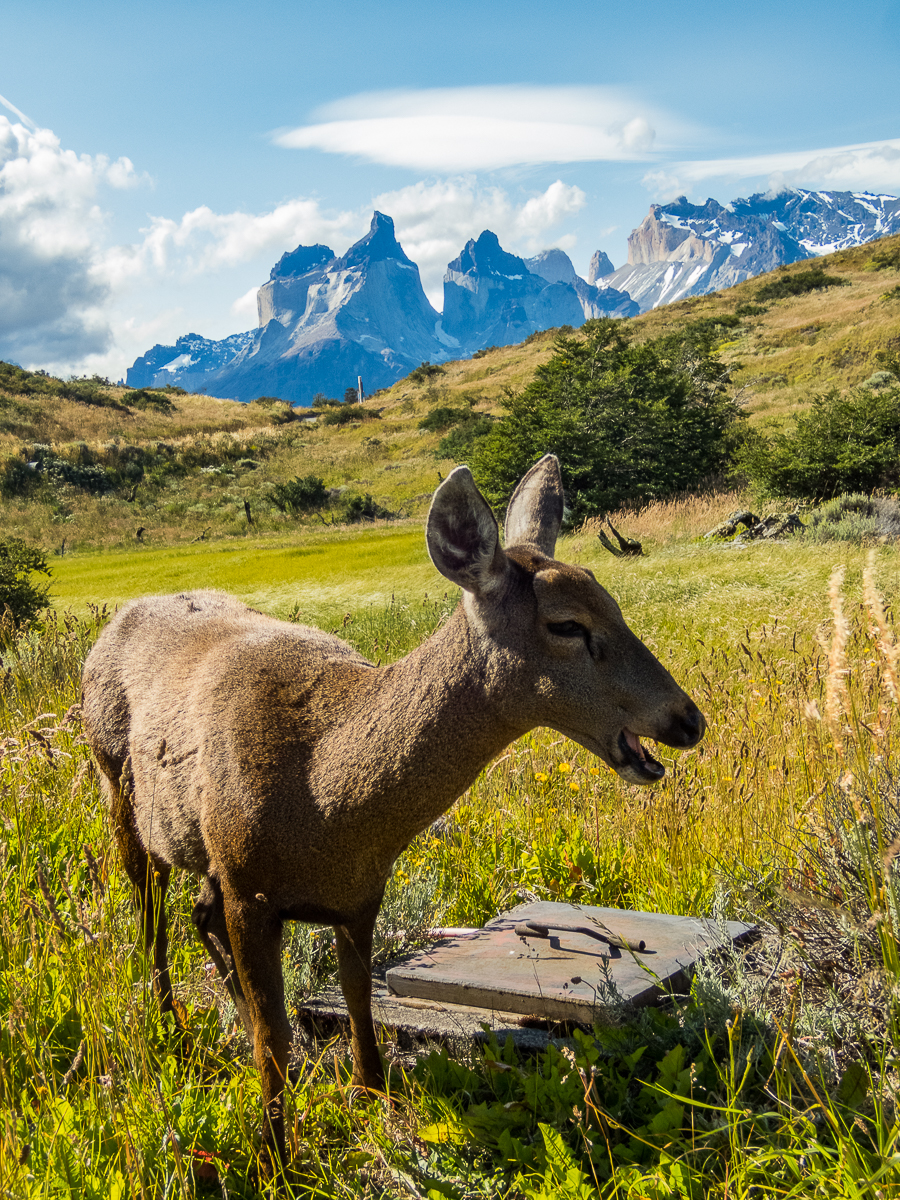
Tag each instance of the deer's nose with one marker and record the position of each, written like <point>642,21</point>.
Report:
<point>686,728</point>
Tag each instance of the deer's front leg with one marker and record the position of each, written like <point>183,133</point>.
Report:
<point>255,934</point>
<point>354,952</point>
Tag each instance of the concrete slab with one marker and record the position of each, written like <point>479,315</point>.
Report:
<point>568,975</point>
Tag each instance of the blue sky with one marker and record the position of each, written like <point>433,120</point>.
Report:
<point>156,160</point>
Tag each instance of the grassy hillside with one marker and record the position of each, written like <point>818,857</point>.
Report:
<point>190,473</point>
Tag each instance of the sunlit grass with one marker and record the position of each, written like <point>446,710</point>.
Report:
<point>99,1096</point>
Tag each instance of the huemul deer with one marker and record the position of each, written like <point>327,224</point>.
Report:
<point>278,763</point>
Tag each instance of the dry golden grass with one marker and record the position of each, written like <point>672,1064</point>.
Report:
<point>683,517</point>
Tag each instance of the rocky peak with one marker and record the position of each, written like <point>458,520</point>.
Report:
<point>300,261</point>
<point>487,257</point>
<point>600,266</point>
<point>379,245</point>
<point>553,265</point>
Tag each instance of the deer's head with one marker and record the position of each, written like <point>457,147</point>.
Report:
<point>569,660</point>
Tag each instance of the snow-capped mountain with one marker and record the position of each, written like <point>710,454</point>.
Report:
<point>492,298</point>
<point>189,363</point>
<point>683,249</point>
<point>325,320</point>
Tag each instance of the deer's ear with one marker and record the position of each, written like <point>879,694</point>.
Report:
<point>535,511</point>
<point>462,535</point>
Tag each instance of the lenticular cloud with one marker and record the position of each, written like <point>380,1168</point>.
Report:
<point>474,129</point>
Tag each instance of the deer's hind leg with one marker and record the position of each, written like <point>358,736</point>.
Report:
<point>209,920</point>
<point>150,878</point>
<point>254,931</point>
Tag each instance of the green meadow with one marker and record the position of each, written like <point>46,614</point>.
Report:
<point>317,576</point>
<point>775,1075</point>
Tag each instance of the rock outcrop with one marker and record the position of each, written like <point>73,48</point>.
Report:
<point>553,265</point>
<point>683,249</point>
<point>600,267</point>
<point>325,320</point>
<point>491,298</point>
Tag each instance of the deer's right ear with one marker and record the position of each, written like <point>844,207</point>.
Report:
<point>462,535</point>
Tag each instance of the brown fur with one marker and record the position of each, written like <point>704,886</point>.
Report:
<point>278,763</point>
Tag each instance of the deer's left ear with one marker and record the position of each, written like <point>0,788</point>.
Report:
<point>462,536</point>
<point>535,511</point>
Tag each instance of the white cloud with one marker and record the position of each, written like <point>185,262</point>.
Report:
<point>866,166</point>
<point>485,128</point>
<point>245,306</point>
<point>51,292</point>
<point>203,241</point>
<point>433,221</point>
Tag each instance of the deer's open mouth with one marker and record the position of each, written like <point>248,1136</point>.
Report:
<point>637,765</point>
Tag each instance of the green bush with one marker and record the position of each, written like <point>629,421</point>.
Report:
<point>885,260</point>
<point>21,599</point>
<point>799,283</point>
<point>363,508</point>
<point>854,518</point>
<point>750,310</point>
<point>459,441</point>
<point>350,412</point>
<point>443,417</point>
<point>301,494</point>
<point>150,401</point>
<point>629,422</point>
<point>843,443</point>
<point>425,372</point>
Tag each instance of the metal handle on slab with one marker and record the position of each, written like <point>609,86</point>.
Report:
<point>541,929</point>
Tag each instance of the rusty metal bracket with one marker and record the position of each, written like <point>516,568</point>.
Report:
<point>541,929</point>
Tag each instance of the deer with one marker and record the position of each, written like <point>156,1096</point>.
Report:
<point>288,772</point>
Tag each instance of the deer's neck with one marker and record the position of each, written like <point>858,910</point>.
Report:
<point>428,724</point>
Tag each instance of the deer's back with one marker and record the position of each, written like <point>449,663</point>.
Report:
<point>212,712</point>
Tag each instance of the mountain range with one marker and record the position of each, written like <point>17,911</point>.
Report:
<point>683,249</point>
<point>324,320</point>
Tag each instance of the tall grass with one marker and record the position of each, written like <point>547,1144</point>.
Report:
<point>775,1077</point>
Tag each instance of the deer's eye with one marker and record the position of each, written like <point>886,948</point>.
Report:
<point>567,629</point>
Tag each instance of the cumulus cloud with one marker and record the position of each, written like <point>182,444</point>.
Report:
<point>204,240</point>
<point>433,221</point>
<point>51,286</point>
<point>859,167</point>
<point>450,130</point>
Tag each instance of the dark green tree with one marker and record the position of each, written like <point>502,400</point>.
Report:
<point>629,422</point>
<point>842,443</point>
<point>21,598</point>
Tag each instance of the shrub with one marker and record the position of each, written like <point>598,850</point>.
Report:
<point>854,518</point>
<point>844,443</point>
<point>20,597</point>
<point>425,372</point>
<point>799,283</point>
<point>320,400</point>
<point>443,417</point>
<point>278,411</point>
<point>629,423</point>
<point>150,401</point>
<point>886,259</point>
<point>459,441</point>
<point>486,350</point>
<point>750,310</point>
<point>363,508</point>
<point>301,494</point>
<point>351,412</point>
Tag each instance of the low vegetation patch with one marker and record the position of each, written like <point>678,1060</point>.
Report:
<point>798,283</point>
